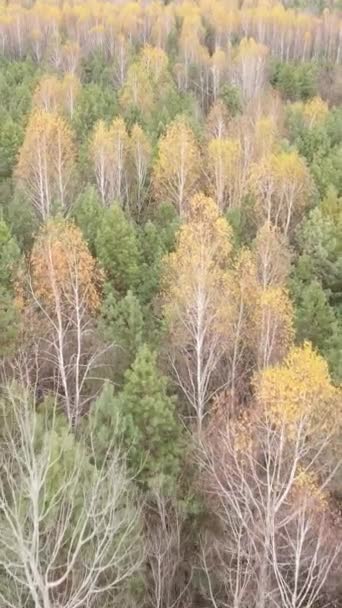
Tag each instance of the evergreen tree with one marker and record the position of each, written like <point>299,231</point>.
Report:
<point>9,255</point>
<point>150,429</point>
<point>122,324</point>
<point>116,249</point>
<point>87,212</point>
<point>320,242</point>
<point>9,323</point>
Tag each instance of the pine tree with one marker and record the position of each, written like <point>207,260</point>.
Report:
<point>148,418</point>
<point>116,249</point>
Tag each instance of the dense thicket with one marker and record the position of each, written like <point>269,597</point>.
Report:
<point>170,304</point>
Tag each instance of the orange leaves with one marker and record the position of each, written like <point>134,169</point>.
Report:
<point>266,314</point>
<point>47,95</point>
<point>62,270</point>
<point>289,34</point>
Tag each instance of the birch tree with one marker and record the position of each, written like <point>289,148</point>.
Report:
<point>46,163</point>
<point>70,530</point>
<point>177,167</point>
<point>62,299</point>
<point>267,482</point>
<point>196,303</point>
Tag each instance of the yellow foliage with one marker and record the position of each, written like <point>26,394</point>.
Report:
<point>48,94</point>
<point>137,91</point>
<point>155,61</point>
<point>177,168</point>
<point>272,327</point>
<point>249,48</point>
<point>224,157</point>
<point>282,186</point>
<point>315,111</point>
<point>299,389</point>
<point>199,264</point>
<point>46,160</point>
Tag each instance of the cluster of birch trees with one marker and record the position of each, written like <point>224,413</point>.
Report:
<point>170,305</point>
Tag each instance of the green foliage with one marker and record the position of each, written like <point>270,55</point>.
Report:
<point>104,423</point>
<point>9,323</point>
<point>294,80</point>
<point>87,213</point>
<point>17,82</point>
<point>150,429</point>
<point>231,97</point>
<point>21,218</point>
<point>122,324</point>
<point>317,281</point>
<point>316,320</point>
<point>156,238</point>
<point>320,245</point>
<point>117,250</point>
<point>170,104</point>
<point>95,69</point>
<point>9,255</point>
<point>11,138</point>
<point>327,171</point>
<point>321,145</point>
<point>93,103</point>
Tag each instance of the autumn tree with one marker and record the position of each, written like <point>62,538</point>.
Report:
<point>196,303</point>
<point>140,153</point>
<point>266,481</point>
<point>120,146</point>
<point>249,67</point>
<point>109,151</point>
<point>62,300</point>
<point>47,95</point>
<point>271,315</point>
<point>46,163</point>
<point>282,186</point>
<point>137,92</point>
<point>272,256</point>
<point>223,168</point>
<point>217,121</point>
<point>101,153</point>
<point>70,87</point>
<point>177,167</point>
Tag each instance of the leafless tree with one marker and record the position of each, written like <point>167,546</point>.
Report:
<point>274,544</point>
<point>70,529</point>
<point>170,579</point>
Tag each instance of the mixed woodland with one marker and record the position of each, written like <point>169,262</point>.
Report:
<point>170,304</point>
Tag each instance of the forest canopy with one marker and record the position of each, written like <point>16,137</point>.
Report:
<point>170,304</point>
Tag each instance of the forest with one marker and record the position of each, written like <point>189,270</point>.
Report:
<point>170,304</point>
